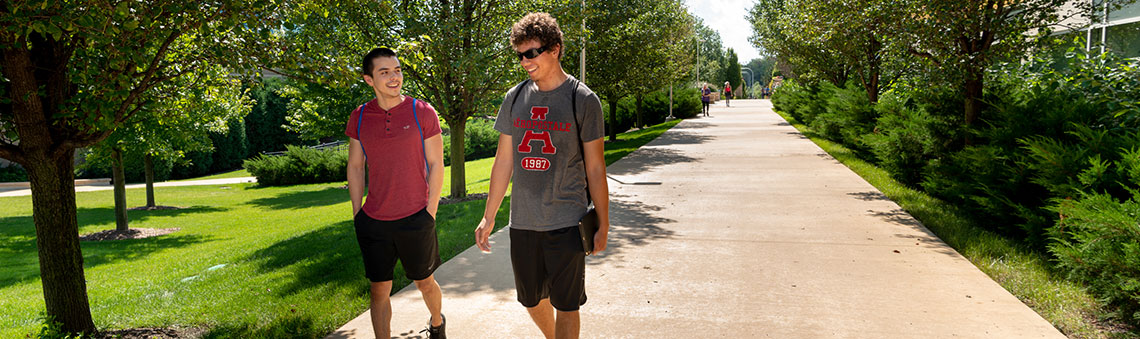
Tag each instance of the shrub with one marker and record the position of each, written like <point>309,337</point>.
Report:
<point>481,140</point>
<point>847,116</point>
<point>1097,242</point>
<point>902,141</point>
<point>13,173</point>
<point>299,165</point>
<point>803,102</point>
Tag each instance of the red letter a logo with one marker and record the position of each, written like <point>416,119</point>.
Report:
<point>544,136</point>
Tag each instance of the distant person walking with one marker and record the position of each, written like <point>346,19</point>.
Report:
<point>398,137</point>
<point>727,93</point>
<point>706,95</point>
<point>551,147</point>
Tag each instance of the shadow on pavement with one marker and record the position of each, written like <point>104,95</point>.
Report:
<point>690,124</point>
<point>680,138</point>
<point>632,224</point>
<point>869,196</point>
<point>648,158</point>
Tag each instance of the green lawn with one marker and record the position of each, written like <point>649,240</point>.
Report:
<point>231,174</point>
<point>249,261</point>
<point>1023,272</point>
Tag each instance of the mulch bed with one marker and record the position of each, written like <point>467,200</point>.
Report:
<point>150,333</point>
<point>134,233</point>
<point>156,208</point>
<point>469,197</point>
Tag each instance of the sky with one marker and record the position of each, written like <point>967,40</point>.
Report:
<point>727,18</point>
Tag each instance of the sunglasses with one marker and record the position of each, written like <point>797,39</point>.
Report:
<point>532,53</point>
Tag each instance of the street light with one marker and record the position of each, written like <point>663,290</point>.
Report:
<point>751,78</point>
<point>582,74</point>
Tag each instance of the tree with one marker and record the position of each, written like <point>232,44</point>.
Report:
<point>776,28</point>
<point>710,54</point>
<point>175,119</point>
<point>73,72</point>
<point>858,32</point>
<point>656,31</point>
<point>762,67</point>
<point>612,49</point>
<point>966,37</point>
<point>732,69</point>
<point>467,64</point>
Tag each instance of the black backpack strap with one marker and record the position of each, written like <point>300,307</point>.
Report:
<point>518,91</point>
<point>578,132</point>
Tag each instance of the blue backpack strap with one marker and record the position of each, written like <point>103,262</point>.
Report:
<point>423,146</point>
<point>360,121</point>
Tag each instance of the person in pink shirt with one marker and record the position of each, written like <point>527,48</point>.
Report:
<point>398,138</point>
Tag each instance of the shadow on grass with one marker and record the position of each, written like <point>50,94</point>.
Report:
<point>328,256</point>
<point>20,258</point>
<point>281,327</point>
<point>303,199</point>
<point>24,267</point>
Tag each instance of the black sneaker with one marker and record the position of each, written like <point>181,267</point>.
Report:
<point>436,332</point>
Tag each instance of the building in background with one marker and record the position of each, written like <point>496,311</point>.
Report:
<point>1116,31</point>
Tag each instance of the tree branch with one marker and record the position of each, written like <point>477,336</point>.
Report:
<point>12,153</point>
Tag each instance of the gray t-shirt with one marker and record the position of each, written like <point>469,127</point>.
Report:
<point>549,178</point>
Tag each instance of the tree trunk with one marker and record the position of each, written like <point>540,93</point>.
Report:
<point>52,181</point>
<point>120,190</point>
<point>639,121</point>
<point>458,157</point>
<point>148,166</point>
<point>973,93</point>
<point>613,119</point>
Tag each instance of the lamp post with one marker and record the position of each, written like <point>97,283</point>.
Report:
<point>582,62</point>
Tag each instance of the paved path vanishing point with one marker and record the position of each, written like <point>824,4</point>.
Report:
<point>737,226</point>
<point>106,186</point>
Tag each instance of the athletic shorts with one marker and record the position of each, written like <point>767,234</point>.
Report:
<point>549,264</point>
<point>411,239</point>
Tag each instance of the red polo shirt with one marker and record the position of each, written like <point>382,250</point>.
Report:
<point>397,174</point>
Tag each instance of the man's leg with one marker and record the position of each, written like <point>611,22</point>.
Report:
<point>381,308</point>
<point>432,297</point>
<point>543,316</point>
<point>566,327</point>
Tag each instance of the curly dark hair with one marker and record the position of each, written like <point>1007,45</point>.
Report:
<point>537,26</point>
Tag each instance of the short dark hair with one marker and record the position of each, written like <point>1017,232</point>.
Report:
<point>537,26</point>
<point>385,52</point>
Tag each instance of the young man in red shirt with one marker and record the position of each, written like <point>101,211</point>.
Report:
<point>551,147</point>
<point>398,137</point>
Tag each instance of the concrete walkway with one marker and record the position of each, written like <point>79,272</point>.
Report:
<point>736,226</point>
<point>103,186</point>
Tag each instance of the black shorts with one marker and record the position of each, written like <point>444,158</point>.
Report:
<point>551,265</point>
<point>411,239</point>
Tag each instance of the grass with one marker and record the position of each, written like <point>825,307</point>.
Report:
<point>248,262</point>
<point>226,175</point>
<point>1023,272</point>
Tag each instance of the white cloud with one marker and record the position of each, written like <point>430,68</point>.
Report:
<point>727,18</point>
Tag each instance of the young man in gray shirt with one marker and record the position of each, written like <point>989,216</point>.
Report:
<point>551,146</point>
